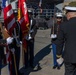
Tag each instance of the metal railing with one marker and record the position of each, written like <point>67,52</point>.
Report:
<point>45,13</point>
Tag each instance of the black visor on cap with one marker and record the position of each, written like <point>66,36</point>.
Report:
<point>30,13</point>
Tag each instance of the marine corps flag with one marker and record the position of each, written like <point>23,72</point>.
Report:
<point>9,18</point>
<point>23,17</point>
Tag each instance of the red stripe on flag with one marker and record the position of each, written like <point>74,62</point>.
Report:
<point>6,9</point>
<point>9,19</point>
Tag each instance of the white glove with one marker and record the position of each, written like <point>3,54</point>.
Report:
<point>28,37</point>
<point>60,60</point>
<point>9,40</point>
<point>20,42</point>
<point>53,36</point>
<point>13,50</point>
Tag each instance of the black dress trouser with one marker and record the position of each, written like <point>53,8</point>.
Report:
<point>29,55</point>
<point>70,68</point>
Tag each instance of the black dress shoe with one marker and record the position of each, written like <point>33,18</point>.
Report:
<point>54,67</point>
<point>26,67</point>
<point>58,67</point>
<point>31,66</point>
<point>19,73</point>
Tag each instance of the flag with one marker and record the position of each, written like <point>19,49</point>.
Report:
<point>9,18</point>
<point>10,24</point>
<point>23,17</point>
<point>40,5</point>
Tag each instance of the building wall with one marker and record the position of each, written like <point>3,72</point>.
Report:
<point>14,4</point>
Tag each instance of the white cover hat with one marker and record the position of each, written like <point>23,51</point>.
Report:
<point>69,8</point>
<point>59,14</point>
<point>29,10</point>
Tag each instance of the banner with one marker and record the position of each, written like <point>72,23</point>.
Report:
<point>10,24</point>
<point>23,17</point>
<point>9,18</point>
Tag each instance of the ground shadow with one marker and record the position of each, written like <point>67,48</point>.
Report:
<point>39,56</point>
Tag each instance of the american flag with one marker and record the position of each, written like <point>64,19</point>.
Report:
<point>9,18</point>
<point>10,24</point>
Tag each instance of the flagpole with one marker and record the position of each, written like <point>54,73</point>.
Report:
<point>13,50</point>
<point>15,64</point>
<point>53,18</point>
<point>22,54</point>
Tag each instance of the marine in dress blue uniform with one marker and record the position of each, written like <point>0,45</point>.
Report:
<point>16,46</point>
<point>30,38</point>
<point>54,32</point>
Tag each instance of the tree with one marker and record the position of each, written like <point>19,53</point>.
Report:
<point>73,3</point>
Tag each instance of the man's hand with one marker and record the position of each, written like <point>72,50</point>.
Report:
<point>9,40</point>
<point>60,60</point>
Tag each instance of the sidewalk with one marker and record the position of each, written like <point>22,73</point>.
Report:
<point>43,56</point>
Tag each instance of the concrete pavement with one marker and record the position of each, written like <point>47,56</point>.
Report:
<point>43,56</point>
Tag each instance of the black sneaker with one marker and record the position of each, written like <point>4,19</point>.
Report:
<point>19,73</point>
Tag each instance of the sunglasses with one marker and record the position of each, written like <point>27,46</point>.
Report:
<point>59,17</point>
